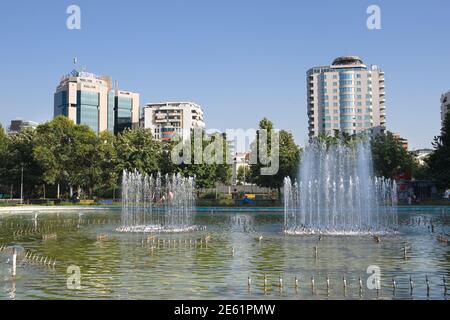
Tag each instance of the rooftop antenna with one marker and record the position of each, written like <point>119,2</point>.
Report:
<point>75,62</point>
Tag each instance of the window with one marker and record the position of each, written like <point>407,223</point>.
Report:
<point>346,76</point>
<point>346,82</point>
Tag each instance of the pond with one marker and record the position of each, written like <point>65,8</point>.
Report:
<point>217,262</point>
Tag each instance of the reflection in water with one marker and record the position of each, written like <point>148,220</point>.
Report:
<point>216,263</point>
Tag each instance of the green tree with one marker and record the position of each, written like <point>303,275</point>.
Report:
<point>421,171</point>
<point>224,170</point>
<point>244,175</point>
<point>3,145</point>
<point>67,153</point>
<point>18,155</point>
<point>137,149</point>
<point>108,162</point>
<point>205,162</point>
<point>389,157</point>
<point>86,161</point>
<point>439,160</point>
<point>3,139</point>
<point>289,158</point>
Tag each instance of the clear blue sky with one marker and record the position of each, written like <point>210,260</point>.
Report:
<point>240,59</point>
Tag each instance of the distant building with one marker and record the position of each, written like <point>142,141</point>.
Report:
<point>422,155</point>
<point>445,106</point>
<point>91,100</point>
<point>346,97</point>
<point>18,125</point>
<point>126,110</point>
<point>403,141</point>
<point>240,160</point>
<point>170,119</point>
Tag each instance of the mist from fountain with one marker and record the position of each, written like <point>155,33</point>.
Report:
<point>337,193</point>
<point>153,204</point>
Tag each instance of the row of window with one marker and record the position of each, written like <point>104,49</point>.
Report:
<point>347,97</point>
<point>88,115</point>
<point>347,125</point>
<point>346,104</point>
<point>345,111</point>
<point>88,98</point>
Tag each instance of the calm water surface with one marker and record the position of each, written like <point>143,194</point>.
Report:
<point>129,266</point>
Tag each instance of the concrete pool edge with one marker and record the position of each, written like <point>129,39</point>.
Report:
<point>14,209</point>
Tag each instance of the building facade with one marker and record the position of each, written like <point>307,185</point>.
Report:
<point>168,120</point>
<point>91,100</point>
<point>242,159</point>
<point>421,155</point>
<point>346,97</point>
<point>126,110</point>
<point>402,140</point>
<point>445,106</point>
<point>18,125</point>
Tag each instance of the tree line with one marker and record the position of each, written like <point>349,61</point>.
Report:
<point>59,156</point>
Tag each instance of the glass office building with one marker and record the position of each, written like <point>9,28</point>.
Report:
<point>90,100</point>
<point>123,113</point>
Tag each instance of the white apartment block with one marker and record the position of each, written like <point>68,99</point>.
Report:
<point>346,97</point>
<point>173,119</point>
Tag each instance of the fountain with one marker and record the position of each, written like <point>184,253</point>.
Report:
<point>337,193</point>
<point>152,204</point>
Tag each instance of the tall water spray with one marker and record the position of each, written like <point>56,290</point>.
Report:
<point>337,193</point>
<point>154,204</point>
